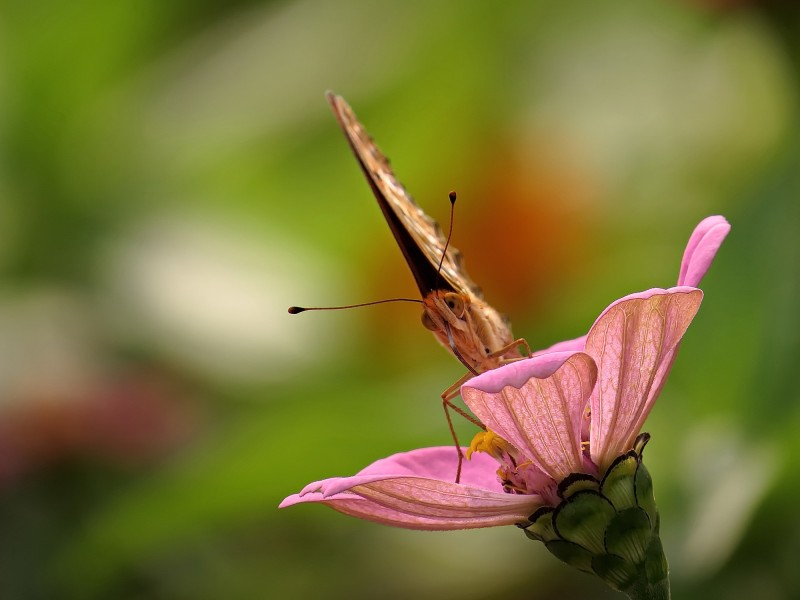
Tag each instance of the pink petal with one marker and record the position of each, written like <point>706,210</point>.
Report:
<point>701,249</point>
<point>537,405</point>
<point>634,343</point>
<point>575,345</point>
<point>438,463</point>
<point>363,508</point>
<point>390,492</point>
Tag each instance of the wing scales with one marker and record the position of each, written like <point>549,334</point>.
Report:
<point>420,238</point>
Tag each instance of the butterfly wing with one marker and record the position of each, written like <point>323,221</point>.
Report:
<point>420,238</point>
<point>481,332</point>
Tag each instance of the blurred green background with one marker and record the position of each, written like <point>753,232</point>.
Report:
<point>171,179</point>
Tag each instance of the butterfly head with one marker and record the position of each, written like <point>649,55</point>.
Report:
<point>444,307</point>
<point>448,316</point>
<point>468,327</point>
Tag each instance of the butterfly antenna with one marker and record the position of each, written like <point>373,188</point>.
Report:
<point>452,196</point>
<point>293,310</point>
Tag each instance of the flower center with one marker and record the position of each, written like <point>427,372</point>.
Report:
<point>516,474</point>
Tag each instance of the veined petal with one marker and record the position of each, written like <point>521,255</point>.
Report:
<point>388,492</point>
<point>634,343</point>
<point>454,502</point>
<point>438,463</point>
<point>537,405</point>
<point>703,244</point>
<point>511,509</point>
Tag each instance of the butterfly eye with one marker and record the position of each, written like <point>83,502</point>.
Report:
<point>455,303</point>
<point>427,322</point>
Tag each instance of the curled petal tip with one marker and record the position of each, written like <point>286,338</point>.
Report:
<point>703,245</point>
<point>516,374</point>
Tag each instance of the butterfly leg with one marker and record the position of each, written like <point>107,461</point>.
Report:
<point>513,345</point>
<point>447,404</point>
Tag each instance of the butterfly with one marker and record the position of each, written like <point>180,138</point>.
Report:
<point>454,308</point>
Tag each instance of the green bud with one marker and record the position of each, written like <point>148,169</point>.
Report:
<point>572,554</point>
<point>583,518</point>
<point>541,527</point>
<point>644,493</point>
<point>629,534</point>
<point>618,484</point>
<point>575,483</point>
<point>609,528</point>
<point>655,564</point>
<point>615,571</point>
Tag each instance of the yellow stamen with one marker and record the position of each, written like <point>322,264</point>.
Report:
<point>491,443</point>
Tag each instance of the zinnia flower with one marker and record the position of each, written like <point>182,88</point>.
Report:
<point>536,407</point>
<point>577,488</point>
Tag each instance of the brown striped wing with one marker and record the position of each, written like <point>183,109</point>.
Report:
<point>420,238</point>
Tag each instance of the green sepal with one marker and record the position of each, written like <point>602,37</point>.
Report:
<point>643,485</point>
<point>576,482</point>
<point>583,519</point>
<point>572,554</point>
<point>618,483</point>
<point>655,562</point>
<point>641,590</point>
<point>629,534</point>
<point>541,527</point>
<point>615,571</point>
<point>640,442</point>
<point>609,527</point>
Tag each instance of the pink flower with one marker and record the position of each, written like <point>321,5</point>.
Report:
<point>631,347</point>
<point>534,411</point>
<point>416,490</point>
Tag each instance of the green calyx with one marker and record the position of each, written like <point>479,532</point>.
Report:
<point>609,527</point>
